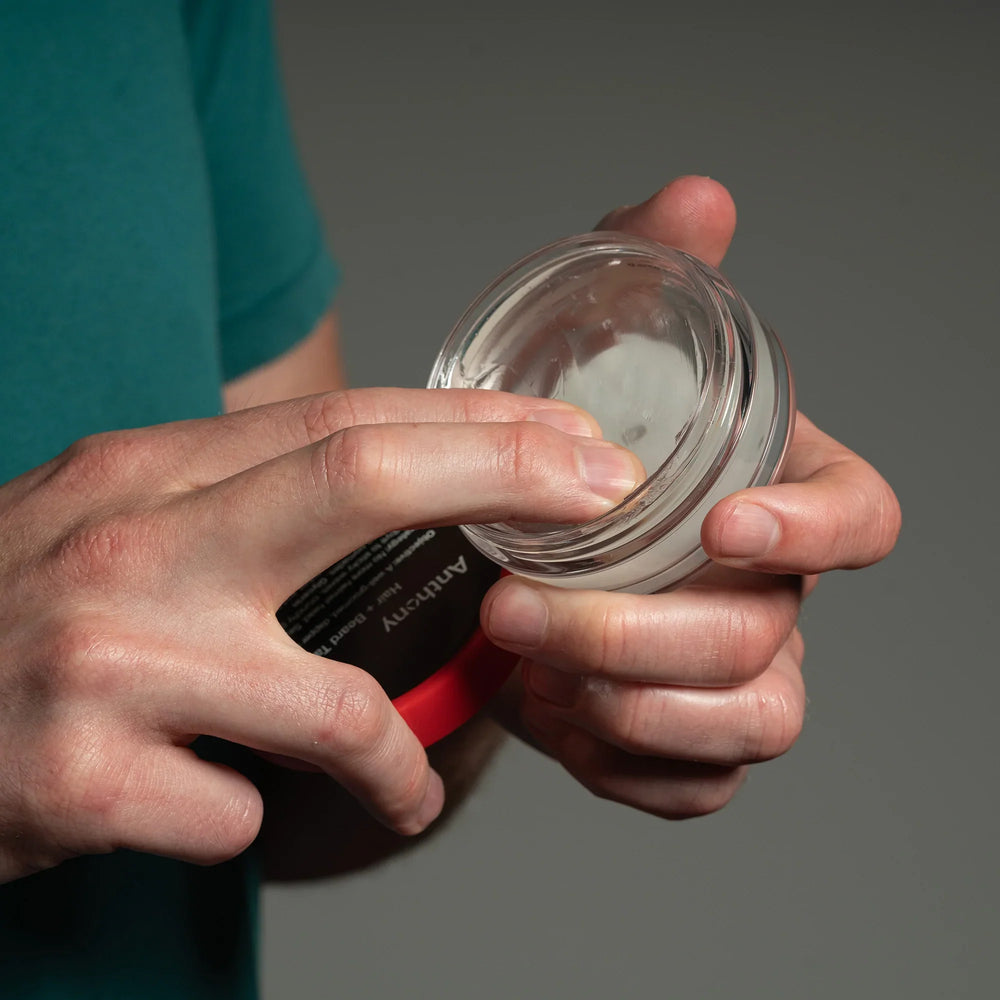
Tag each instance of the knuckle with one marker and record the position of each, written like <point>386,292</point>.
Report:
<point>638,716</point>
<point>748,638</point>
<point>331,412</point>
<point>86,660</point>
<point>704,796</point>
<point>105,549</point>
<point>407,799</point>
<point>615,636</point>
<point>772,722</point>
<point>349,714</point>
<point>473,406</point>
<point>102,459</point>
<point>354,461</point>
<point>522,452</point>
<point>227,832</point>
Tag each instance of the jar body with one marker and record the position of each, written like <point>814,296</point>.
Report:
<point>672,362</point>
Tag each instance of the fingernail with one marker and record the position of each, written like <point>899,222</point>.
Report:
<point>553,685</point>
<point>749,531</point>
<point>568,421</point>
<point>433,802</point>
<point>610,472</point>
<point>518,617</point>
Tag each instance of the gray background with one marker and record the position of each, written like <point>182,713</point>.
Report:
<point>860,143</point>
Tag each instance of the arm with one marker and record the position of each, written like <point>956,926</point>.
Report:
<point>312,366</point>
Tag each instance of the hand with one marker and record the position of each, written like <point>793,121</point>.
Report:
<point>141,572</point>
<point>661,701</point>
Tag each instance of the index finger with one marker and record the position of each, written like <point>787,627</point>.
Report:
<point>831,511</point>
<point>192,454</point>
<point>271,528</point>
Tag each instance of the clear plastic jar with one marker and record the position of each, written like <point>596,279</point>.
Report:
<point>670,360</point>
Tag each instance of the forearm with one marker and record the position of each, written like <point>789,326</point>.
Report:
<point>314,365</point>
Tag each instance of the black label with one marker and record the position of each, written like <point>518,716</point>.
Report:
<point>400,607</point>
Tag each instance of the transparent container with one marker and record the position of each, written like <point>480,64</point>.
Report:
<point>673,364</point>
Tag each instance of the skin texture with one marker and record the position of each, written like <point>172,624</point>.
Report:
<point>312,367</point>
<point>660,702</point>
<point>142,571</point>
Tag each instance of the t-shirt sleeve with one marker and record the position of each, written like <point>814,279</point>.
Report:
<point>275,277</point>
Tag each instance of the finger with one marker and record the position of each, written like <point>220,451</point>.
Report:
<point>669,789</point>
<point>206,451</point>
<point>207,813</point>
<point>832,511</point>
<point>694,214</point>
<point>723,634</point>
<point>727,727</point>
<point>284,701</point>
<point>276,525</point>
<point>179,458</point>
<point>160,800</point>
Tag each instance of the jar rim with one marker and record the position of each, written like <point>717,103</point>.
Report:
<point>705,437</point>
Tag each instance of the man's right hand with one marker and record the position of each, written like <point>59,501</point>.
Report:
<point>141,572</point>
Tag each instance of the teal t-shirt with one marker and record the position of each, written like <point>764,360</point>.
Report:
<point>156,238</point>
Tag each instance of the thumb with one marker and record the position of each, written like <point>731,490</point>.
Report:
<point>694,214</point>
